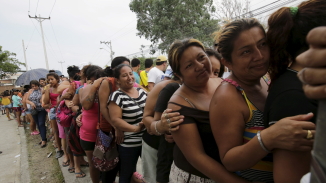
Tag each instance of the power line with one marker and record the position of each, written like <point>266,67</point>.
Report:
<point>122,28</point>
<point>123,34</point>
<point>29,6</point>
<point>258,3</point>
<point>132,22</point>
<point>36,28</point>
<point>98,55</point>
<point>56,40</point>
<point>274,7</point>
<point>36,7</point>
<point>48,42</point>
<point>52,7</point>
<point>30,38</point>
<point>40,20</point>
<point>210,30</point>
<point>53,52</point>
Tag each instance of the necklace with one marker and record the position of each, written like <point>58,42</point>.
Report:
<point>289,69</point>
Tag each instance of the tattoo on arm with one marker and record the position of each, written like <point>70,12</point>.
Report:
<point>90,98</point>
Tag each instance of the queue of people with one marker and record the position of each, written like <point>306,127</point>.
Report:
<point>182,118</point>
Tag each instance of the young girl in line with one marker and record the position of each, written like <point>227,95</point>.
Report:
<point>16,101</point>
<point>50,97</point>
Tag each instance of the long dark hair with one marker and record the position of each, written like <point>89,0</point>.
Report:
<point>212,53</point>
<point>288,28</point>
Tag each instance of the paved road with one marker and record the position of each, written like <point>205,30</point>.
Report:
<point>11,149</point>
<point>14,157</point>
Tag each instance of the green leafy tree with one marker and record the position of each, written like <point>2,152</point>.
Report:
<point>142,61</point>
<point>163,21</point>
<point>9,65</point>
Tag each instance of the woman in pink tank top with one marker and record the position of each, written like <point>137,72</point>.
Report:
<point>89,119</point>
<point>50,97</point>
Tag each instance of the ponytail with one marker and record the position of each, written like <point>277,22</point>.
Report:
<point>287,32</point>
<point>109,72</point>
<point>280,26</point>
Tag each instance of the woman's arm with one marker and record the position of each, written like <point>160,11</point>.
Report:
<point>149,109</point>
<point>290,166</point>
<point>62,86</point>
<point>24,101</point>
<point>228,117</point>
<point>104,94</point>
<point>30,102</point>
<point>160,95</point>
<point>116,119</point>
<point>88,95</point>
<point>46,97</point>
<point>188,140</point>
<point>75,99</point>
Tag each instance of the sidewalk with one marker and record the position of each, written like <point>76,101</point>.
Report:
<point>14,166</point>
<point>13,157</point>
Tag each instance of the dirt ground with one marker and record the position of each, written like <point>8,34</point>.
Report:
<point>42,168</point>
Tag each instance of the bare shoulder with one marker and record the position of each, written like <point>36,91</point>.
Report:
<point>159,86</point>
<point>226,92</point>
<point>178,97</point>
<point>64,83</point>
<point>229,102</point>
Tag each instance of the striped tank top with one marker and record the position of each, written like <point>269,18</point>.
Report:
<point>263,170</point>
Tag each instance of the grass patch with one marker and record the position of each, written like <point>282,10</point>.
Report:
<point>42,168</point>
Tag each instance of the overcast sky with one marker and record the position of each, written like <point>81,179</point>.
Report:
<point>74,32</point>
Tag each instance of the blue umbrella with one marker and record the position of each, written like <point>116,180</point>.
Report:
<point>58,72</point>
<point>27,77</point>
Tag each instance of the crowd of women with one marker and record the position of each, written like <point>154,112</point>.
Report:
<point>256,125</point>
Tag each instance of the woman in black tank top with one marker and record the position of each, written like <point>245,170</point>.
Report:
<point>195,155</point>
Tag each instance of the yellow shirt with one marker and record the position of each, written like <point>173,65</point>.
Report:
<point>143,78</point>
<point>5,101</point>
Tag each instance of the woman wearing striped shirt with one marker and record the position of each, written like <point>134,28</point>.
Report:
<point>126,113</point>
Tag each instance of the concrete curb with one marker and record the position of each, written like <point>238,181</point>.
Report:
<point>71,177</point>
<point>24,167</point>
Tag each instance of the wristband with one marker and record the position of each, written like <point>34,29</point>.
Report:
<point>261,143</point>
<point>156,128</point>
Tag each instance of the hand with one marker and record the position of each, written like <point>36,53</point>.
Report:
<point>290,134</point>
<point>67,96</point>
<point>97,83</point>
<point>169,121</point>
<point>169,138</point>
<point>313,77</point>
<point>47,106</point>
<point>139,127</point>
<point>78,120</point>
<point>33,105</point>
<point>119,136</point>
<point>70,104</point>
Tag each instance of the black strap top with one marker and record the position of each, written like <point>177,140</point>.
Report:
<point>201,118</point>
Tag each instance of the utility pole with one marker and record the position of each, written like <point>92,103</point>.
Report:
<point>109,44</point>
<point>40,19</point>
<point>318,160</point>
<point>61,62</point>
<point>25,56</point>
